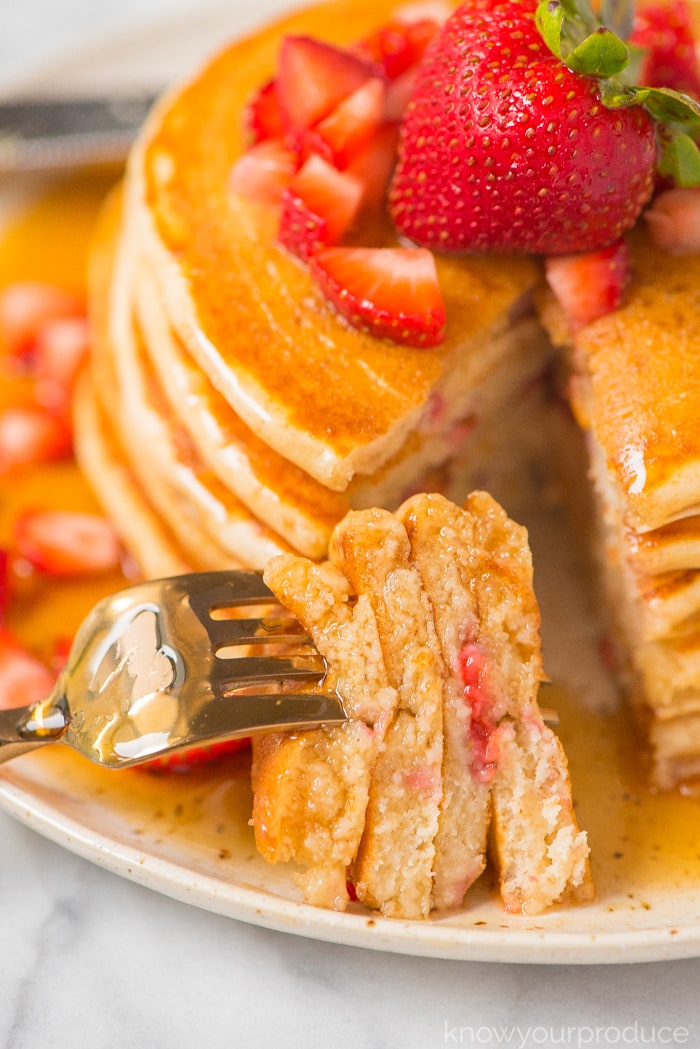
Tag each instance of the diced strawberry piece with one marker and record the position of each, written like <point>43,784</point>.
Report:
<point>262,116</point>
<point>390,292</point>
<point>264,171</point>
<point>674,221</point>
<point>665,32</point>
<point>185,760</point>
<point>374,164</point>
<point>348,127</point>
<point>26,306</point>
<point>313,77</point>
<point>318,207</point>
<point>23,678</point>
<point>66,543</point>
<point>29,435</point>
<point>61,347</point>
<point>398,45</point>
<point>591,284</point>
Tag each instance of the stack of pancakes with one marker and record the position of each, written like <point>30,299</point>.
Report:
<point>634,383</point>
<point>244,417</point>
<point>231,415</point>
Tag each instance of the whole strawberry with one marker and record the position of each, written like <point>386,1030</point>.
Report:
<point>504,148</point>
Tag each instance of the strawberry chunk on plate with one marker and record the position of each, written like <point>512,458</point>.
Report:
<point>591,284</point>
<point>318,207</point>
<point>23,678</point>
<point>25,306</point>
<point>66,543</point>
<point>391,292</point>
<point>193,757</point>
<point>60,349</point>
<point>313,77</point>
<point>29,435</point>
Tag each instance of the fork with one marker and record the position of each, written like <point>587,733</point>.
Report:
<point>159,667</point>
<point>57,133</point>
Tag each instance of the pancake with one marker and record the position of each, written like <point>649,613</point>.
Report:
<point>430,613</point>
<point>635,376</point>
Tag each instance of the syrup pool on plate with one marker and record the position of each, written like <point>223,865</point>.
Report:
<point>643,843</point>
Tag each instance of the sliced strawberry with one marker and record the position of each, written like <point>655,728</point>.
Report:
<point>390,292</point>
<point>591,284</point>
<point>264,171</point>
<point>25,306</point>
<point>674,221</point>
<point>665,33</point>
<point>398,45</point>
<point>318,207</point>
<point>313,77</point>
<point>61,347</point>
<point>66,543</point>
<point>373,165</point>
<point>185,760</point>
<point>262,116</point>
<point>29,435</point>
<point>349,126</point>
<point>23,678</point>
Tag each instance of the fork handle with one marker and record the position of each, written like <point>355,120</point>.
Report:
<point>27,728</point>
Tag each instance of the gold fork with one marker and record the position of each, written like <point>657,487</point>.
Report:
<point>155,668</point>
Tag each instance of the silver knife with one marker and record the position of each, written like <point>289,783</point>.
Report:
<point>48,134</point>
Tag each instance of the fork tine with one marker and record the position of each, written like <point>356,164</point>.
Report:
<point>234,674</point>
<point>225,633</point>
<point>289,711</point>
<point>209,591</point>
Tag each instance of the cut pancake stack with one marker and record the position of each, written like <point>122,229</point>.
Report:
<point>635,389</point>
<point>430,626</point>
<point>245,415</point>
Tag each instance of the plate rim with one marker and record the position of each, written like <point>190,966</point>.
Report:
<point>435,937</point>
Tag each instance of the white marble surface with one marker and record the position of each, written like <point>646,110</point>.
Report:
<point>88,959</point>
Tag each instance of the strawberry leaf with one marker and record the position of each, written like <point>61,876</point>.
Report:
<point>550,19</point>
<point>673,107</point>
<point>565,26</point>
<point>679,158</point>
<point>602,54</point>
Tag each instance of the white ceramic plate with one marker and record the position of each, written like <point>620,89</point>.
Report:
<point>188,836</point>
